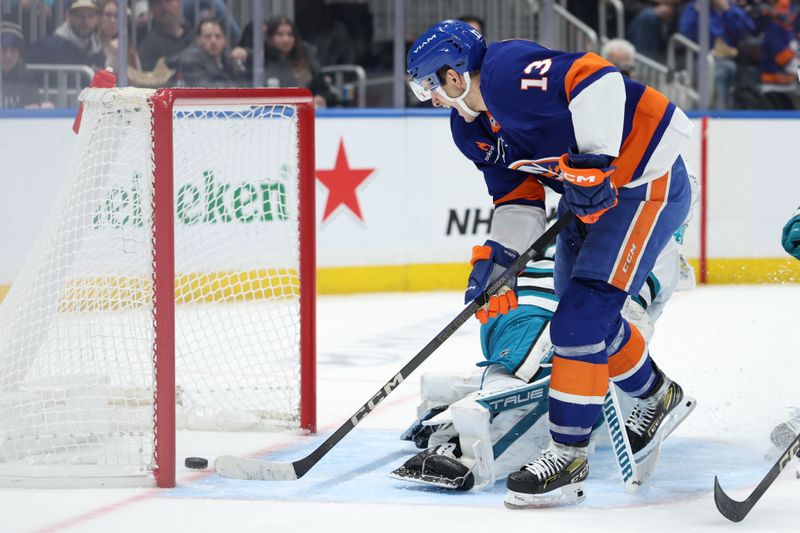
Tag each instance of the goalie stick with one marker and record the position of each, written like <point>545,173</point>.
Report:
<point>257,469</point>
<point>736,511</point>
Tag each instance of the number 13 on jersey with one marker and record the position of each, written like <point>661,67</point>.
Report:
<point>542,66</point>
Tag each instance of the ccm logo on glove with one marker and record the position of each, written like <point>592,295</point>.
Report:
<point>588,189</point>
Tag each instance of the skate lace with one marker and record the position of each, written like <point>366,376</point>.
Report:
<point>642,415</point>
<point>546,465</point>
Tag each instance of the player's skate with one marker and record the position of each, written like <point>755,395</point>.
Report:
<point>656,416</point>
<point>438,466</point>
<point>555,478</point>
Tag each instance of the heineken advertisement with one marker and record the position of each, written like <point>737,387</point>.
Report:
<point>205,201</point>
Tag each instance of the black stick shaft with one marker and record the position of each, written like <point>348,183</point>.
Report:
<point>301,466</point>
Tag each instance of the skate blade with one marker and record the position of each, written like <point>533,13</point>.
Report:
<point>569,495</point>
<point>673,420</point>
<point>432,481</point>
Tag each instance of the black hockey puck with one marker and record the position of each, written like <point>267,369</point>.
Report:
<point>196,463</point>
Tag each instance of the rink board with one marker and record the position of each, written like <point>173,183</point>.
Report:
<point>410,224</point>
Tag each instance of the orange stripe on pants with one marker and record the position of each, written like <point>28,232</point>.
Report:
<point>629,355</point>
<point>578,377</point>
<point>639,234</point>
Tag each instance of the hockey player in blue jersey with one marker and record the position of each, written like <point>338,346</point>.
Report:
<point>527,116</point>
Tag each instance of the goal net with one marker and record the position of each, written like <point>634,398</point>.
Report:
<point>172,285</point>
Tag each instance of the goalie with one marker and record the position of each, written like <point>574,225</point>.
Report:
<point>479,428</point>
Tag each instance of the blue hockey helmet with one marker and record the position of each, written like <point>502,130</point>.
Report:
<point>451,43</point>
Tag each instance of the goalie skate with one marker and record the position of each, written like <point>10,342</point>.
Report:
<point>437,466</point>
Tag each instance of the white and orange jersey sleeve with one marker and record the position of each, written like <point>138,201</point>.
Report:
<point>629,121</point>
<point>596,95</point>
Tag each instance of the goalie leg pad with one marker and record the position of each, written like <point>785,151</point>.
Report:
<point>438,391</point>
<point>501,426</point>
<point>497,429</point>
<point>440,388</point>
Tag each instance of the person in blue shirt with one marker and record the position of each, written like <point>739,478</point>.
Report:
<point>649,31</point>
<point>779,65</point>
<point>530,117</point>
<point>728,25</point>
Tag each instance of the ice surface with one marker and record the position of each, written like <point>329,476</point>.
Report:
<point>733,348</point>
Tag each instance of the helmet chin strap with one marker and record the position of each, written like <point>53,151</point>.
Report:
<point>459,100</point>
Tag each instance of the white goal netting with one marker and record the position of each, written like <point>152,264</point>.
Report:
<point>77,336</point>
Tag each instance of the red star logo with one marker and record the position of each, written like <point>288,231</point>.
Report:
<point>342,182</point>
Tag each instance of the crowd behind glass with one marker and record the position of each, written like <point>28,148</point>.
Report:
<point>207,43</point>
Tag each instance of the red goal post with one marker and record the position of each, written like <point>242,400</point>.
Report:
<point>164,102</point>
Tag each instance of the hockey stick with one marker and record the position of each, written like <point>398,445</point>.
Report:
<point>257,469</point>
<point>736,511</point>
<point>620,444</point>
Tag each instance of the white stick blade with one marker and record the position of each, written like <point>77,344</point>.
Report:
<point>253,469</point>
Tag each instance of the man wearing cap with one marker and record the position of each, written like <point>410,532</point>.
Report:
<point>19,88</point>
<point>74,42</point>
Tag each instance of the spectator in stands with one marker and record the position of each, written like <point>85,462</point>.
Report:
<point>169,36</point>
<point>649,31</point>
<point>19,87</point>
<point>288,61</point>
<point>74,42</point>
<point>622,54</point>
<point>212,9</point>
<point>207,63</point>
<point>728,25</point>
<point>107,33</point>
<point>779,65</point>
